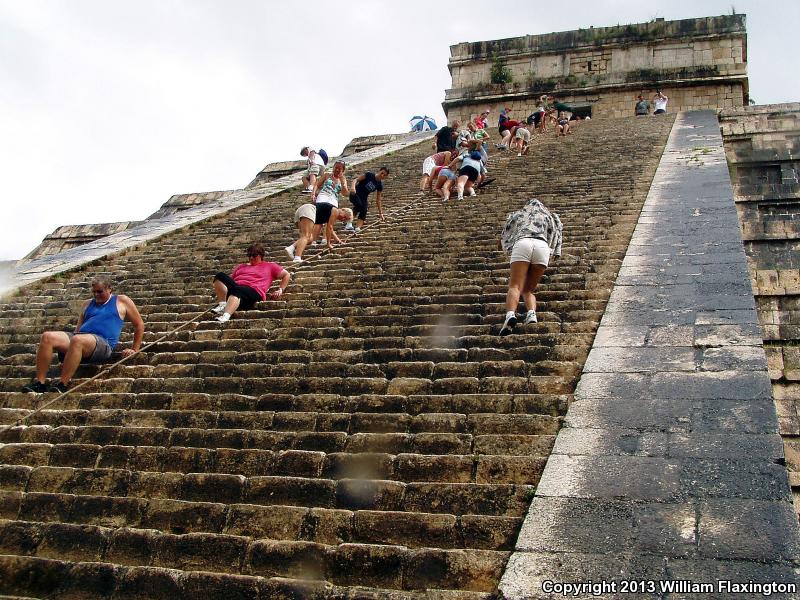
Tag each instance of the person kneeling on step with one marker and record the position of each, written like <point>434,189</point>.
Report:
<point>248,284</point>
<point>530,235</point>
<point>93,341</point>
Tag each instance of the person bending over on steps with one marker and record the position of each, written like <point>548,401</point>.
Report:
<point>304,219</point>
<point>363,186</point>
<point>95,336</point>
<point>326,197</point>
<point>429,164</point>
<point>248,284</point>
<point>530,235</point>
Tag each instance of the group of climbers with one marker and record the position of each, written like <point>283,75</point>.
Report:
<point>531,236</point>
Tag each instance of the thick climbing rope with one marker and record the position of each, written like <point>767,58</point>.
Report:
<point>293,267</point>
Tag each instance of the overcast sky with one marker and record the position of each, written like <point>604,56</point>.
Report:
<point>107,108</point>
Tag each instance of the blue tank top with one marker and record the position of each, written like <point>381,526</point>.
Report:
<point>103,320</point>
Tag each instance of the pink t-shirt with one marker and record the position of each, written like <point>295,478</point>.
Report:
<point>259,277</point>
<point>438,158</point>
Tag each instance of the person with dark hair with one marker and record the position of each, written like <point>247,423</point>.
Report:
<point>248,284</point>
<point>471,168</point>
<point>507,128</point>
<point>363,186</point>
<point>642,107</point>
<point>97,332</point>
<point>446,137</point>
<point>530,236</point>
<point>660,103</point>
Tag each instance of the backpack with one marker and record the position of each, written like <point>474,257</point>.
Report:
<point>324,155</point>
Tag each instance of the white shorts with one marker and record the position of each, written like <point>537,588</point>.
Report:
<point>428,165</point>
<point>531,250</point>
<point>306,211</point>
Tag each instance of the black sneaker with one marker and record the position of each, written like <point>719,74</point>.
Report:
<point>35,387</point>
<point>57,387</point>
<point>508,325</point>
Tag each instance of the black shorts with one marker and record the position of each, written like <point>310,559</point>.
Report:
<point>660,111</point>
<point>324,211</point>
<point>470,172</point>
<point>247,296</point>
<point>359,206</point>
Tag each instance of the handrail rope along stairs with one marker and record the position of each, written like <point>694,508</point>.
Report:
<point>293,267</point>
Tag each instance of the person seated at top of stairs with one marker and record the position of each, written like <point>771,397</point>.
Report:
<point>248,284</point>
<point>97,332</point>
<point>531,235</point>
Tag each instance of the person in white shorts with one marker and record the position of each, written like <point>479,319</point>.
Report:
<point>304,218</point>
<point>531,235</point>
<point>429,164</point>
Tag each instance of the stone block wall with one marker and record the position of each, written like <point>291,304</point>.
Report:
<point>613,103</point>
<point>762,144</point>
<point>700,63</point>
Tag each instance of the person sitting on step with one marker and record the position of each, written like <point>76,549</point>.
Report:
<point>531,234</point>
<point>97,332</point>
<point>363,186</point>
<point>304,220</point>
<point>248,284</point>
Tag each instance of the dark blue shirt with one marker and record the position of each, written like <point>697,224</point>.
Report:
<point>368,185</point>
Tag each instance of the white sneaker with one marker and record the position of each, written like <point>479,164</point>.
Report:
<point>508,324</point>
<point>349,227</point>
<point>290,251</point>
<point>224,318</point>
<point>461,196</point>
<point>308,190</point>
<point>530,317</point>
<point>219,307</point>
<point>357,230</point>
<point>520,154</point>
<point>314,243</point>
<point>297,259</point>
<point>472,192</point>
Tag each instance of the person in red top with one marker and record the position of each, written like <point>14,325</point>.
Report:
<point>480,121</point>
<point>248,284</point>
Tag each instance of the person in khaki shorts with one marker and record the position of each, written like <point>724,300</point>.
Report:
<point>315,168</point>
<point>304,218</point>
<point>522,139</point>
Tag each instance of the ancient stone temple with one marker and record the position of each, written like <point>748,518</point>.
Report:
<point>370,436</point>
<point>697,63</point>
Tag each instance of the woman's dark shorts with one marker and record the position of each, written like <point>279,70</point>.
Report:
<point>247,296</point>
<point>359,206</point>
<point>660,111</point>
<point>324,211</point>
<point>470,172</point>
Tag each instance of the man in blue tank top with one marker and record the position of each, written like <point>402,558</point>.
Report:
<point>99,325</point>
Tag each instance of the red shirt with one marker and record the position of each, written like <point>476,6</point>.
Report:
<point>259,277</point>
<point>510,124</point>
<point>480,122</point>
<point>438,158</point>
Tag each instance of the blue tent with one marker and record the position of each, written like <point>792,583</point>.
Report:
<point>424,123</point>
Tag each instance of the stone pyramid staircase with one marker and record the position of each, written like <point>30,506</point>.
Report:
<point>368,436</point>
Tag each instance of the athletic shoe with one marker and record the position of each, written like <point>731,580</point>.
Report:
<point>508,325</point>
<point>357,230</point>
<point>57,387</point>
<point>349,227</point>
<point>290,251</point>
<point>219,307</point>
<point>297,259</point>
<point>224,318</point>
<point>530,317</point>
<point>520,154</point>
<point>308,190</point>
<point>35,387</point>
<point>460,196</point>
<point>472,192</point>
<point>314,243</point>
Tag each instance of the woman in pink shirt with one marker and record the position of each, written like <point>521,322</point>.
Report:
<point>248,284</point>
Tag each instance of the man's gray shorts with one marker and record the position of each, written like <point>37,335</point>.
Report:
<point>102,351</point>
